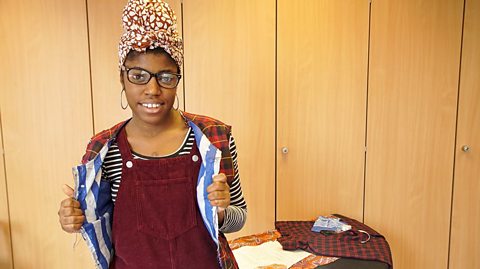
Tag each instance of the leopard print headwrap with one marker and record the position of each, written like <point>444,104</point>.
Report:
<point>149,24</point>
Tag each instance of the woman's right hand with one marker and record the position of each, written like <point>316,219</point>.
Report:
<point>70,215</point>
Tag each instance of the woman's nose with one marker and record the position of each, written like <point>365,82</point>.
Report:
<point>152,87</point>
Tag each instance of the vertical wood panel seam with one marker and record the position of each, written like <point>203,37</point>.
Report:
<point>366,109</point>
<point>6,192</point>
<point>456,135</point>
<point>183,47</point>
<point>90,68</point>
<point>275,107</point>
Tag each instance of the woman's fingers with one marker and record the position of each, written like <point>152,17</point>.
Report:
<point>220,178</point>
<point>70,211</point>
<point>71,228</point>
<point>219,184</point>
<point>71,223</point>
<point>218,195</point>
<point>70,215</point>
<point>70,202</point>
<point>67,190</point>
<point>219,192</point>
<point>68,220</point>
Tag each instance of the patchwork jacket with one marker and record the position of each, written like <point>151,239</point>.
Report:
<point>212,139</point>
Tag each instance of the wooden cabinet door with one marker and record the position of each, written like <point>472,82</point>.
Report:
<point>46,121</point>
<point>230,75</point>
<point>465,236</point>
<point>412,103</point>
<point>322,59</point>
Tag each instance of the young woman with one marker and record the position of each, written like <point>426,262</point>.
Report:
<point>157,190</point>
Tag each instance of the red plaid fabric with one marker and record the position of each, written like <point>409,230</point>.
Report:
<point>219,135</point>
<point>98,141</point>
<point>227,259</point>
<point>298,235</point>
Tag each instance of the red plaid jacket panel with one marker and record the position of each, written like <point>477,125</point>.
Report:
<point>219,135</point>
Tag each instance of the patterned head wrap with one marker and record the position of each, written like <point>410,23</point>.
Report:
<point>150,24</point>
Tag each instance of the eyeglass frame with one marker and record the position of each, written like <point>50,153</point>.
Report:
<point>156,75</point>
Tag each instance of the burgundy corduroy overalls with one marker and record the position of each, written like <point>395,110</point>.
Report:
<point>156,220</point>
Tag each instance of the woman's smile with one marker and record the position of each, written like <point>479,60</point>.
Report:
<point>152,107</point>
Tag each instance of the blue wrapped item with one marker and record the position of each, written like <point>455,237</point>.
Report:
<point>330,224</point>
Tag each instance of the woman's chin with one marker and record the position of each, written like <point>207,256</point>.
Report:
<point>152,116</point>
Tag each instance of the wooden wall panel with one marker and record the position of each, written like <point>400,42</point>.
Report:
<point>230,75</point>
<point>465,236</point>
<point>6,261</point>
<point>322,87</point>
<point>413,85</point>
<point>105,29</point>
<point>46,120</point>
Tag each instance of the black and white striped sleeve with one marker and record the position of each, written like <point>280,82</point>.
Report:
<point>236,212</point>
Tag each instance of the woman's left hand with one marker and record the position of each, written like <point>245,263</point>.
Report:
<point>219,192</point>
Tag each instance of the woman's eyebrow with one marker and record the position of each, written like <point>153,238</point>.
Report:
<point>168,70</point>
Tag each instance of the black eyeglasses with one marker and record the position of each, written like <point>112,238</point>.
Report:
<point>141,76</point>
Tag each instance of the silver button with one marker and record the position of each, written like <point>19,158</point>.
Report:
<point>129,164</point>
<point>195,158</point>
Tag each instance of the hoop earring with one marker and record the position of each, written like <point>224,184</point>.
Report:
<point>121,99</point>
<point>178,101</point>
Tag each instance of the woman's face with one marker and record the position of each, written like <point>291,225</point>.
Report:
<point>150,103</point>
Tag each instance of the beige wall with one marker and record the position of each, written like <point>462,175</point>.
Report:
<point>362,93</point>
